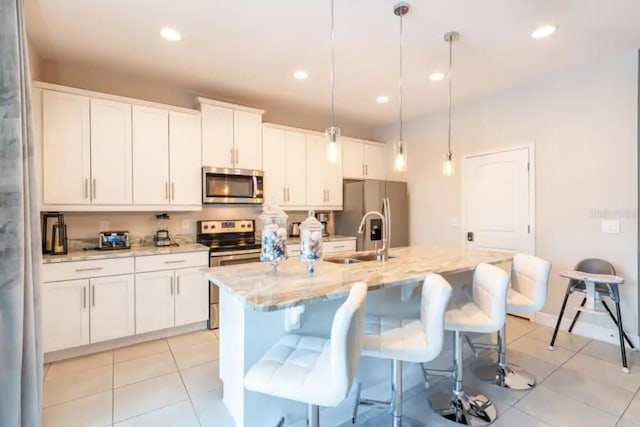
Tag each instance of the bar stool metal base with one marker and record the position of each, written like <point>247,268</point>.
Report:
<point>510,376</point>
<point>463,409</point>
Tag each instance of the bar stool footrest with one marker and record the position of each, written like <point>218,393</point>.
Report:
<point>464,409</point>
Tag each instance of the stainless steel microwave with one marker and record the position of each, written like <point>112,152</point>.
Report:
<point>232,186</point>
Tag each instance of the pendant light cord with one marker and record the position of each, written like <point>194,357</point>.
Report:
<point>333,65</point>
<point>400,81</point>
<point>449,154</point>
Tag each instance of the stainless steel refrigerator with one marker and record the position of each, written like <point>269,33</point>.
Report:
<point>361,197</point>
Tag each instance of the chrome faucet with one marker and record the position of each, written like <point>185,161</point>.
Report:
<point>382,254</point>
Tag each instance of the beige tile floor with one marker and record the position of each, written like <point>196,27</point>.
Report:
<point>175,382</point>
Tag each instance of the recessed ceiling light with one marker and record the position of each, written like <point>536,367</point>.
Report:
<point>382,99</point>
<point>543,31</point>
<point>301,75</point>
<point>436,76</point>
<point>171,34</point>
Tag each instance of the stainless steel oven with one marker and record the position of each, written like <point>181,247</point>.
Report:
<point>232,186</point>
<point>230,242</point>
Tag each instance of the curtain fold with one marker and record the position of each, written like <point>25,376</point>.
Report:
<point>21,354</point>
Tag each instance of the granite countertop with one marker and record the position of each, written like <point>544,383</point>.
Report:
<point>330,238</point>
<point>262,290</point>
<point>143,250</point>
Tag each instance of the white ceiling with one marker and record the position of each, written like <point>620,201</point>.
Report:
<point>248,49</point>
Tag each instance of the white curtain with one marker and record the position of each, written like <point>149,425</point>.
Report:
<point>20,257</point>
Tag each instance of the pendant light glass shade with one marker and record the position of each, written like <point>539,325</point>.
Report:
<point>447,165</point>
<point>400,148</point>
<point>333,132</point>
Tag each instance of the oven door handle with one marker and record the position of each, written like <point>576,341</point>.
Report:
<point>221,259</point>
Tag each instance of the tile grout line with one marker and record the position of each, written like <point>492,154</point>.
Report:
<point>113,388</point>
<point>193,407</point>
<point>626,408</point>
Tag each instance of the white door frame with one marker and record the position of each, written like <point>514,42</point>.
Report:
<point>532,188</point>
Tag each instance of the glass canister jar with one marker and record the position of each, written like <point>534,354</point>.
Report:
<point>310,241</point>
<point>274,234</point>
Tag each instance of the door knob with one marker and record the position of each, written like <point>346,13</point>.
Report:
<point>470,236</point>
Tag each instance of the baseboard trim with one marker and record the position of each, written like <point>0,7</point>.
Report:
<point>585,329</point>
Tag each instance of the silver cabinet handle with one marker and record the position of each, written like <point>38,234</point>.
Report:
<point>237,157</point>
<point>328,195</point>
<point>363,173</point>
<point>84,297</point>
<point>175,261</point>
<point>173,191</point>
<point>367,169</point>
<point>178,279</point>
<point>171,285</point>
<point>94,188</point>
<point>80,270</point>
<point>86,188</point>
<point>231,152</point>
<point>288,194</point>
<point>93,295</point>
<point>166,190</point>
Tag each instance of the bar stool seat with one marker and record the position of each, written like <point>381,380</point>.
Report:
<point>417,340</point>
<point>517,300</point>
<point>464,314</point>
<point>315,370</point>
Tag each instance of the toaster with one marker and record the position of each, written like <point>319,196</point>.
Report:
<point>110,240</point>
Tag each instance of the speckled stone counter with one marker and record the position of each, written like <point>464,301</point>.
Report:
<point>262,290</point>
<point>144,250</point>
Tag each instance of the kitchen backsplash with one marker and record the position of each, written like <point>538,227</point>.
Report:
<point>143,225</point>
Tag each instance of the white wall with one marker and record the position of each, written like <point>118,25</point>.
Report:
<point>584,125</point>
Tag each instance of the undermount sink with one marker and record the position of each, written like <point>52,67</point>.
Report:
<point>355,258</point>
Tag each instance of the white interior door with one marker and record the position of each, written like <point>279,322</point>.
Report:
<point>498,201</point>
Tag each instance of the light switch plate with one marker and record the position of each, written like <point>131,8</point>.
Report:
<point>611,226</point>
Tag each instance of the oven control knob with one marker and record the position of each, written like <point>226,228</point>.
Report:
<point>213,226</point>
<point>242,225</point>
<point>206,226</point>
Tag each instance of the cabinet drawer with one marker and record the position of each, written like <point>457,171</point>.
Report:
<point>56,272</point>
<point>337,247</point>
<point>171,261</point>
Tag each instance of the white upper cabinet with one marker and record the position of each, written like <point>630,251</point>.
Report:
<point>284,164</point>
<point>185,158</point>
<point>231,135</point>
<point>111,166</point>
<point>324,178</point>
<point>150,156</point>
<point>363,160</point>
<point>66,149</point>
<point>247,137</point>
<point>217,136</point>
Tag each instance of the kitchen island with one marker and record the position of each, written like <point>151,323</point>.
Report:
<point>257,306</point>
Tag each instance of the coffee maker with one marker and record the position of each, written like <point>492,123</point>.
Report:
<point>162,237</point>
<point>323,217</point>
<point>54,234</point>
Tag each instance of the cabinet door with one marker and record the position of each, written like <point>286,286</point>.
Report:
<point>154,301</point>
<point>66,148</point>
<point>217,136</point>
<point>296,168</point>
<point>247,139</point>
<point>274,164</point>
<point>317,159</point>
<point>185,162</point>
<point>374,161</point>
<point>333,179</point>
<point>353,166</point>
<point>112,311</point>
<point>111,167</point>
<point>150,156</point>
<point>192,296</point>
<point>65,314</point>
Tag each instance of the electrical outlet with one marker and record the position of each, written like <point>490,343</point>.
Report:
<point>186,224</point>
<point>104,225</point>
<point>611,226</point>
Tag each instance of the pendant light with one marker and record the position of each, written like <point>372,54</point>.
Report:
<point>333,132</point>
<point>447,166</point>
<point>400,148</point>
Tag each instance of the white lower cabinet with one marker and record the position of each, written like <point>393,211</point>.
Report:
<point>112,307</point>
<point>154,301</point>
<point>80,312</point>
<point>192,296</point>
<point>170,298</point>
<point>65,314</point>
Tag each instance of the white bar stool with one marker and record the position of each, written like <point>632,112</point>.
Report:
<point>527,294</point>
<point>483,311</point>
<point>417,340</point>
<point>316,371</point>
